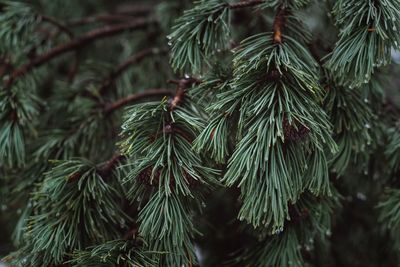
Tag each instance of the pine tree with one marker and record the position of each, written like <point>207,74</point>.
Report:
<point>204,133</point>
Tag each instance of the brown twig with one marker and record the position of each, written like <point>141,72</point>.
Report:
<point>135,9</point>
<point>182,86</point>
<point>75,44</point>
<point>121,14</point>
<point>74,177</point>
<point>108,18</point>
<point>127,63</point>
<point>74,66</point>
<point>278,25</point>
<point>245,3</point>
<point>109,108</point>
<point>105,168</point>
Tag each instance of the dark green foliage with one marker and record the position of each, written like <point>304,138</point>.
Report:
<point>18,110</point>
<point>389,214</point>
<point>157,137</point>
<point>113,253</point>
<point>393,149</point>
<point>255,133</point>
<point>368,32</point>
<point>353,120</point>
<point>267,76</point>
<point>17,22</point>
<point>311,217</point>
<point>73,208</point>
<point>198,34</point>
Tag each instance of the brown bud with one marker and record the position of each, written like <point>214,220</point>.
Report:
<point>292,131</point>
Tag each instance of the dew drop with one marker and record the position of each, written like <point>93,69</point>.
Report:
<point>328,232</point>
<point>361,196</point>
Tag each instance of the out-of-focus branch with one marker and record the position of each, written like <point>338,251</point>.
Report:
<point>109,108</point>
<point>58,24</point>
<point>121,68</point>
<point>79,42</point>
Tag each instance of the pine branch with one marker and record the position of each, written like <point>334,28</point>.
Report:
<point>181,89</point>
<point>135,97</point>
<point>122,13</point>
<point>134,9</point>
<point>63,28</point>
<point>279,24</point>
<point>121,68</point>
<point>109,18</point>
<point>79,42</point>
<point>105,168</point>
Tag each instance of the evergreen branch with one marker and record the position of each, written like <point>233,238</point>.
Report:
<point>109,108</point>
<point>392,151</point>
<point>114,253</point>
<point>368,33</point>
<point>109,18</point>
<point>198,34</point>
<point>134,9</point>
<point>63,28</point>
<point>105,168</point>
<point>122,13</point>
<point>389,213</point>
<point>79,42</point>
<point>81,213</point>
<point>127,63</point>
<point>352,121</point>
<point>279,24</point>
<point>182,86</point>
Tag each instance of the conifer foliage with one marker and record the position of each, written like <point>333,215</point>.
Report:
<point>204,133</point>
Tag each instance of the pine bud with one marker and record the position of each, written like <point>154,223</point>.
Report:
<point>294,132</point>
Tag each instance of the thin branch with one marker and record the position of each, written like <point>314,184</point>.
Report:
<point>62,28</point>
<point>135,97</point>
<point>105,168</point>
<point>109,18</point>
<point>245,3</point>
<point>279,24</point>
<point>121,14</point>
<point>136,9</point>
<point>181,89</point>
<point>56,23</point>
<point>77,43</point>
<point>121,68</point>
